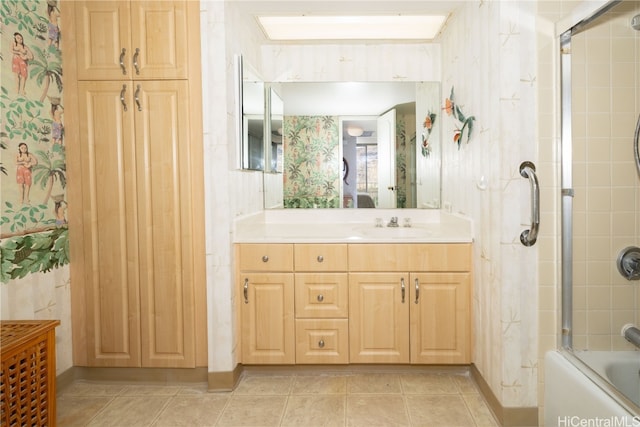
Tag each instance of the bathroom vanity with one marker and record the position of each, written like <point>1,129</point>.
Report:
<point>338,291</point>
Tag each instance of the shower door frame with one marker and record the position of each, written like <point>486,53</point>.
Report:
<point>566,180</point>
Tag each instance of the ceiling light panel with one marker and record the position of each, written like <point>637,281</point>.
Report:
<point>377,27</point>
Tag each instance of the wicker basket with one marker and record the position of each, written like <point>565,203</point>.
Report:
<point>28,376</point>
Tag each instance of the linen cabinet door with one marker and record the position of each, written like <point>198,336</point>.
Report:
<point>103,40</point>
<point>441,318</point>
<point>164,159</point>
<point>159,42</point>
<point>268,325</point>
<point>378,318</point>
<point>109,226</point>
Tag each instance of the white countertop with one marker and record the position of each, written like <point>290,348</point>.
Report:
<point>352,226</point>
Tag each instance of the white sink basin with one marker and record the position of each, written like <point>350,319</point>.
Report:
<point>396,232</point>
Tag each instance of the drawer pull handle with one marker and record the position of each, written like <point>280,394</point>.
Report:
<point>417,291</point>
<point>246,291</point>
<point>402,289</point>
<point>320,298</point>
<point>320,258</point>
<point>321,343</point>
<point>265,258</point>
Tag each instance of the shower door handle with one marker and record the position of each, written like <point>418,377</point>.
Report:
<point>528,237</point>
<point>636,146</point>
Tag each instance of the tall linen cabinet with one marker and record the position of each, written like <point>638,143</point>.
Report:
<point>133,134</point>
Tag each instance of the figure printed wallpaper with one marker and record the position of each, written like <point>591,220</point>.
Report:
<point>33,225</point>
<point>312,167</point>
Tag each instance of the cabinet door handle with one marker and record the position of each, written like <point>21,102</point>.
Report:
<point>135,61</point>
<point>122,101</point>
<point>246,291</point>
<point>402,289</point>
<point>265,258</point>
<point>321,343</point>
<point>417,290</point>
<point>320,298</point>
<point>320,258</point>
<point>124,68</point>
<point>136,96</point>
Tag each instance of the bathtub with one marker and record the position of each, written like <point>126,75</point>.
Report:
<point>578,391</point>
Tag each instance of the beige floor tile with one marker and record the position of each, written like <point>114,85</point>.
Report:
<point>196,410</point>
<point>150,390</point>
<point>465,383</point>
<point>88,388</point>
<point>479,410</point>
<point>376,410</point>
<point>438,410</point>
<point>72,411</point>
<point>253,411</point>
<point>320,384</point>
<point>315,411</point>
<point>374,383</point>
<point>264,385</point>
<point>130,411</point>
<point>428,384</point>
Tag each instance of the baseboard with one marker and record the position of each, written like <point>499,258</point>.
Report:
<point>141,375</point>
<point>506,416</point>
<point>224,381</point>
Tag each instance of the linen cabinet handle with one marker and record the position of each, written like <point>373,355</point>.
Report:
<point>245,290</point>
<point>417,291</point>
<point>135,61</point>
<point>402,289</point>
<point>136,96</point>
<point>124,68</point>
<point>122,101</point>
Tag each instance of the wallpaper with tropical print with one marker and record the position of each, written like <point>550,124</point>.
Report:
<point>405,159</point>
<point>312,166</point>
<point>33,225</point>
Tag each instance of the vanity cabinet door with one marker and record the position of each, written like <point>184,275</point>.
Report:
<point>379,318</point>
<point>268,325</point>
<point>440,318</point>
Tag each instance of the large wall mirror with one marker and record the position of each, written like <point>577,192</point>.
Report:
<point>356,145</point>
<point>341,144</point>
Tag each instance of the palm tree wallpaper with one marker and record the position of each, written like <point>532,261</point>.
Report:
<point>33,225</point>
<point>312,164</point>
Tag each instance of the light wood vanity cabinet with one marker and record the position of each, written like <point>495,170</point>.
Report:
<point>267,308</point>
<point>357,303</point>
<point>321,303</point>
<point>410,303</point>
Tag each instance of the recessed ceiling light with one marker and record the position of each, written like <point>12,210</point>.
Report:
<point>376,27</point>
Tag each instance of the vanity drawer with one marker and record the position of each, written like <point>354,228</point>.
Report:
<point>369,257</point>
<point>322,341</point>
<point>324,295</point>
<point>321,257</point>
<point>265,257</point>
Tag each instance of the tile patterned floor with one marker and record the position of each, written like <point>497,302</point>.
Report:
<point>435,399</point>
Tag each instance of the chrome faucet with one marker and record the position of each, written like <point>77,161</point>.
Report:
<point>393,222</point>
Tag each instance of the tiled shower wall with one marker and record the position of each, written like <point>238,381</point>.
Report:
<point>606,218</point>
